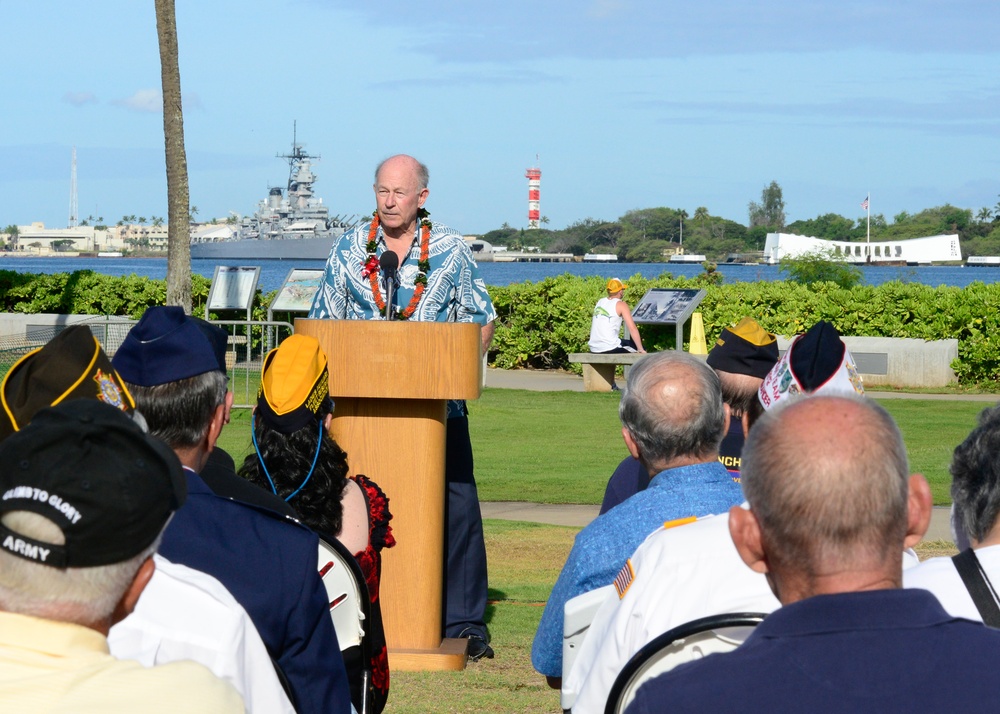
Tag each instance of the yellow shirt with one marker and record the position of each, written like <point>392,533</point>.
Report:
<point>48,666</point>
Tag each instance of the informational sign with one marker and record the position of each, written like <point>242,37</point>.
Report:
<point>297,292</point>
<point>233,287</point>
<point>666,306</point>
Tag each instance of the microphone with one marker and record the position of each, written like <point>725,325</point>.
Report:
<point>389,262</point>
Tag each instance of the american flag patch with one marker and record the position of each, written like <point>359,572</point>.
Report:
<point>624,579</point>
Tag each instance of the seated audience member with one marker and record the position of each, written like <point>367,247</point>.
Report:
<point>672,419</point>
<point>847,638</point>
<point>182,613</point>
<point>975,493</point>
<point>266,561</point>
<point>75,556</point>
<point>606,324</point>
<point>296,458</point>
<point>683,572</point>
<point>742,357</point>
<point>219,471</point>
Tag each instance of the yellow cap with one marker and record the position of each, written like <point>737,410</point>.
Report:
<point>614,285</point>
<point>294,384</point>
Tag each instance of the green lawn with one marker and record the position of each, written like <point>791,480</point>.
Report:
<point>561,447</point>
<point>524,561</point>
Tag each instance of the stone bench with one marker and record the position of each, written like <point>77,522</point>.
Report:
<point>599,370</point>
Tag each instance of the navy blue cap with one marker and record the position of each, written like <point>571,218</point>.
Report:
<point>217,336</point>
<point>165,346</point>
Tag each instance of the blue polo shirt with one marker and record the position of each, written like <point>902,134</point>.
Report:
<point>601,549</point>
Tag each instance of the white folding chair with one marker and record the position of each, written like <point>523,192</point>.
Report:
<point>578,613</point>
<point>684,643</point>
<point>350,609</point>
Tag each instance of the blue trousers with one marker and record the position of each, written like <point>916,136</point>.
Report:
<point>465,564</point>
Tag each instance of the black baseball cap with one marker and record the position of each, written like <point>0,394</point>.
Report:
<point>90,469</point>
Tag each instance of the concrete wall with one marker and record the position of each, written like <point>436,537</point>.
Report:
<point>900,361</point>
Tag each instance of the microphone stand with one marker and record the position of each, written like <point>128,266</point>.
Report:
<point>389,262</point>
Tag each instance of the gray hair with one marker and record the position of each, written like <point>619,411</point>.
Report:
<point>975,477</point>
<point>688,422</point>
<point>423,175</point>
<point>180,412</point>
<point>829,497</point>
<point>84,596</point>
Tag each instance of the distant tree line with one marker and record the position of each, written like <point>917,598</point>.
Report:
<point>649,234</point>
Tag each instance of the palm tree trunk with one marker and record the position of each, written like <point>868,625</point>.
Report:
<point>178,198</point>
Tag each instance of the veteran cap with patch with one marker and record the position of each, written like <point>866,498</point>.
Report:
<point>817,362</point>
<point>166,346</point>
<point>746,349</point>
<point>91,470</point>
<point>70,366</point>
<point>294,384</point>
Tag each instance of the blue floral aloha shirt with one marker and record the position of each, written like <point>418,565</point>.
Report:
<point>454,292</point>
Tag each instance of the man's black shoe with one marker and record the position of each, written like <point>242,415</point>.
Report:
<point>478,648</point>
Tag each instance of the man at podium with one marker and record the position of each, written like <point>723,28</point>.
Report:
<point>436,280</point>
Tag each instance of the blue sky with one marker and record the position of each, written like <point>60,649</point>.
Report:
<point>627,104</point>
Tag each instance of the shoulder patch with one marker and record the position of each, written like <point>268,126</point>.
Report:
<point>680,522</point>
<point>624,579</point>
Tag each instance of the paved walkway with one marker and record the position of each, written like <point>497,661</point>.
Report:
<point>542,380</point>
<point>579,516</point>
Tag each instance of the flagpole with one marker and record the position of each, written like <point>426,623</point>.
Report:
<point>868,208</point>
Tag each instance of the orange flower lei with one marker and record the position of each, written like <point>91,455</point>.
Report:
<point>370,269</point>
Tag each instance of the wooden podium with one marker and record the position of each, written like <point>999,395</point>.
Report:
<point>391,382</point>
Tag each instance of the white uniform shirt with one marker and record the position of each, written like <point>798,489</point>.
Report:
<point>187,614</point>
<point>940,576</point>
<point>680,573</point>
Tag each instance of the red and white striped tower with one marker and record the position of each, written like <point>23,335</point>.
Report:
<point>534,177</point>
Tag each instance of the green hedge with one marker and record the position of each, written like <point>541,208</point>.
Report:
<point>540,324</point>
<point>85,292</point>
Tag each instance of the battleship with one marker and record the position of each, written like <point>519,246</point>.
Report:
<point>288,225</point>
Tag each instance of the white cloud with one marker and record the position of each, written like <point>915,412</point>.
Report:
<point>148,101</point>
<point>78,99</point>
<point>605,8</point>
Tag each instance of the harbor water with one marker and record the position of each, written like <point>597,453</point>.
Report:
<point>274,272</point>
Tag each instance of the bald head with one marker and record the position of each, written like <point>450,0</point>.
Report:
<point>827,478</point>
<point>403,164</point>
<point>672,409</point>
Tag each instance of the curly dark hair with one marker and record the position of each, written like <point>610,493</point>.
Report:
<point>288,458</point>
